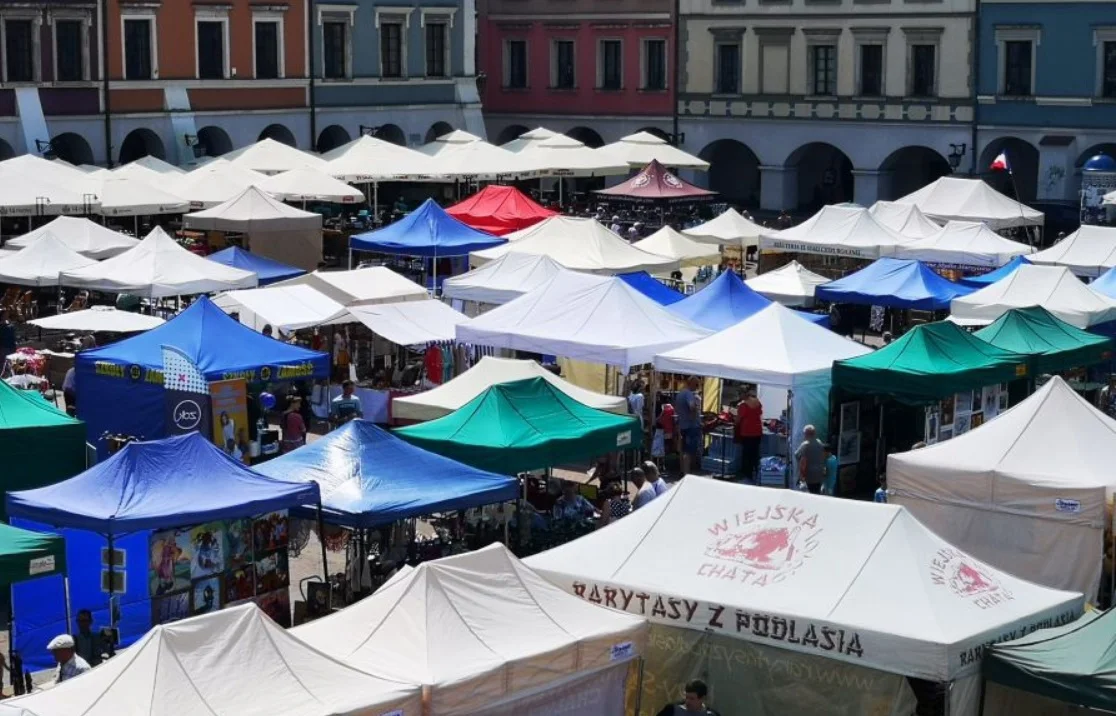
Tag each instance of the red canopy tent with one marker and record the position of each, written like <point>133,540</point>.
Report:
<point>655,184</point>
<point>499,210</point>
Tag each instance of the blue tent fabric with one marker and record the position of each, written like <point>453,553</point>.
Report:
<point>725,302</point>
<point>174,482</point>
<point>895,283</point>
<point>428,231</point>
<point>652,287</point>
<point>987,279</point>
<point>266,270</point>
<point>370,477</point>
<point>1105,283</point>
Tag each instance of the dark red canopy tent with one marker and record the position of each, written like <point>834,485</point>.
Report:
<point>499,210</point>
<point>656,184</point>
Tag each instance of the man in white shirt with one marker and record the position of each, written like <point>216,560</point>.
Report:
<point>69,663</point>
<point>645,492</point>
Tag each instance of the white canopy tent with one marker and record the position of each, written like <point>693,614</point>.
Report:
<point>130,196</point>
<point>1025,492</point>
<point>158,267</point>
<point>837,230</point>
<point>99,319</point>
<point>790,285</point>
<point>253,211</point>
<point>579,244</point>
<point>503,279</point>
<point>965,243</point>
<point>563,156</point>
<point>86,237</point>
<point>673,245</point>
<point>642,148</point>
<point>730,228</point>
<point>959,199</point>
<point>214,183</point>
<point>491,371</point>
<point>906,219</point>
<point>26,195</point>
<point>32,167</point>
<point>287,308</point>
<point>596,319</point>
<point>1054,288</point>
<point>271,157</point>
<point>367,159</point>
<point>310,185</point>
<point>450,140</point>
<point>154,164</point>
<point>1089,251</point>
<point>480,632</point>
<point>528,138</point>
<point>377,284</point>
<point>40,263</point>
<point>234,661</point>
<point>857,582</point>
<point>409,323</point>
<point>478,160</point>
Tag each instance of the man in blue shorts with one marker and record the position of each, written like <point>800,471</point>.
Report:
<point>687,412</point>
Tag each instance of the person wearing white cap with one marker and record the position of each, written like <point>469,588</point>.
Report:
<point>70,664</point>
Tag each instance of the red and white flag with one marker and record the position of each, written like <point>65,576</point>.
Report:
<point>1000,163</point>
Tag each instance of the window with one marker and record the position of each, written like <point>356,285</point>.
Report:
<point>436,33</point>
<point>19,50</point>
<point>515,64</point>
<point>654,65</point>
<point>391,49</point>
<point>564,69</point>
<point>871,70</point>
<point>1108,69</point>
<point>267,50</point>
<point>923,70</point>
<point>335,49</point>
<point>823,64</point>
<point>137,49</point>
<point>211,49</point>
<point>1017,68</point>
<point>68,48</point>
<point>611,65</point>
<point>728,68</point>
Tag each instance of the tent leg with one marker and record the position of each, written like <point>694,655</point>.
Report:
<point>16,677</point>
<point>67,603</point>
<point>791,467</point>
<point>321,541</point>
<point>350,258</point>
<point>111,579</point>
<point>135,225</point>
<point>375,202</point>
<point>639,687</point>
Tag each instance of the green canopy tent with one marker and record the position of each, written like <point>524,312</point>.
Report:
<point>523,425</point>
<point>929,363</point>
<point>1052,344</point>
<point>28,555</point>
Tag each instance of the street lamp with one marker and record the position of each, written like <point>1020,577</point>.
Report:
<point>956,153</point>
<point>194,144</point>
<point>676,140</point>
<point>44,146</point>
<point>368,130</point>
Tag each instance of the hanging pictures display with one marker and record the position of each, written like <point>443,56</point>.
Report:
<point>960,413</point>
<point>204,568</point>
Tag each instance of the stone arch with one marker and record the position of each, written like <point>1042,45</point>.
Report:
<point>1109,149</point>
<point>214,141</point>
<point>391,133</point>
<point>511,133</point>
<point>6,151</point>
<point>734,171</point>
<point>70,147</point>
<point>438,129</point>
<point>140,143</point>
<point>824,175</point>
<point>661,134</point>
<point>908,169</point>
<point>279,133</point>
<point>333,137</point>
<point>586,136</point>
<point>1022,182</point>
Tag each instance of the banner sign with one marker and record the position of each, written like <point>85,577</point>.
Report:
<point>186,394</point>
<point>229,399</point>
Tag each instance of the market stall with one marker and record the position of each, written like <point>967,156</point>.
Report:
<point>906,219</point>
<point>376,284</point>
<point>837,230</point>
<point>308,184</point>
<point>725,302</point>
<point>98,319</point>
<point>687,251</point>
<point>284,308</point>
<point>652,287</point>
<point>1054,288</point>
<point>214,183</point>
<point>729,228</point>
<point>654,184</point>
<point>501,280</point>
<point>499,210</point>
<point>268,271</point>
<point>1089,251</point>
<point>791,285</point>
<point>987,279</point>
<point>269,156</point>
<point>1105,283</point>
<point>486,636</point>
<point>965,243</point>
<point>40,263</point>
<point>894,283</point>
<point>1052,344</point>
<point>960,199</point>
<point>642,148</point>
<point>81,235</point>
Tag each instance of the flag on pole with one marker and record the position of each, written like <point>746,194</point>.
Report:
<point>187,394</point>
<point>1000,163</point>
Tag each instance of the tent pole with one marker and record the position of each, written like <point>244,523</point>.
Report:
<point>791,466</point>
<point>639,687</point>
<point>375,202</point>
<point>350,257</point>
<point>321,541</point>
<point>135,225</point>
<point>11,639</point>
<point>111,579</point>
<point>66,601</point>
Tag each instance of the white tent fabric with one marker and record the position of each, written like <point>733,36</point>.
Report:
<point>965,243</point>
<point>27,195</point>
<point>214,183</point>
<point>157,268</point>
<point>377,284</point>
<point>837,230</point>
<point>367,159</point>
<point>310,185</point>
<point>132,170</point>
<point>790,285</point>
<point>118,195</point>
<point>841,579</point>
<point>40,263</point>
<point>271,157</point>
<point>475,629</point>
<point>233,661</point>
<point>34,168</point>
<point>906,219</point>
<point>478,160</point>
<point>642,148</point>
<point>1025,492</point>
<point>86,237</point>
<point>596,319</point>
<point>450,140</point>
<point>673,245</point>
<point>956,198</point>
<point>409,323</point>
<point>730,228</point>
<point>579,244</point>
<point>154,164</point>
<point>99,319</point>
<point>1089,251</point>
<point>253,211</point>
<point>491,371</point>
<point>528,138</point>
<point>502,280</point>
<point>1054,288</point>
<point>562,156</point>
<point>288,308</point>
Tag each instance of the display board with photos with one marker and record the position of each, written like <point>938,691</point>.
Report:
<point>203,568</point>
<point>962,412</point>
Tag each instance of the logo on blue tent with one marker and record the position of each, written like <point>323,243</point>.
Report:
<point>265,373</point>
<point>187,415</point>
<point>134,372</point>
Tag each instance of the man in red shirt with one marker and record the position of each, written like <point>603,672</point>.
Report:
<point>749,432</point>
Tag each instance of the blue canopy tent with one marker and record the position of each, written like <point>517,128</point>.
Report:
<point>727,301</point>
<point>652,287</point>
<point>266,270</point>
<point>895,283</point>
<point>1105,283</point>
<point>428,231</point>
<point>370,477</point>
<point>176,482</point>
<point>987,279</point>
<point>121,385</point>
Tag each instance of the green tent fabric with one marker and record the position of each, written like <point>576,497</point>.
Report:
<point>1075,663</point>
<point>1052,344</point>
<point>927,364</point>
<point>28,555</point>
<point>523,425</point>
